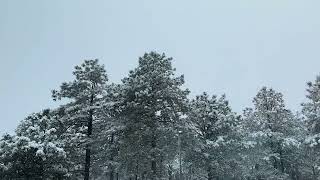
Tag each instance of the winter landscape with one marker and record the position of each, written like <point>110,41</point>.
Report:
<point>147,128</point>
<point>141,104</point>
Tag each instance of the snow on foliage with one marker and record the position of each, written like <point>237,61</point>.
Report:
<point>147,128</point>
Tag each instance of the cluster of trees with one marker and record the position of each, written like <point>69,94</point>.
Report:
<point>146,128</point>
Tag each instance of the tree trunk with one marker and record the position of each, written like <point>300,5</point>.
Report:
<point>281,161</point>
<point>210,173</point>
<point>111,175</point>
<point>88,148</point>
<point>87,163</point>
<point>153,160</point>
<point>314,173</point>
<point>170,173</point>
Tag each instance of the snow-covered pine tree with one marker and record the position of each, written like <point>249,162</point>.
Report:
<point>84,94</point>
<point>151,107</point>
<point>271,136</point>
<point>106,162</point>
<point>35,152</point>
<point>311,109</point>
<point>215,145</point>
<point>311,112</point>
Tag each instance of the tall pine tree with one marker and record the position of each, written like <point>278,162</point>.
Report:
<point>216,144</point>
<point>152,105</point>
<point>84,94</point>
<point>311,112</point>
<point>271,129</point>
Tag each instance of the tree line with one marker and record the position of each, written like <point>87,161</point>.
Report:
<point>147,128</point>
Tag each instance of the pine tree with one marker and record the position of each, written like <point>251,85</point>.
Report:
<point>216,141</point>
<point>84,94</point>
<point>108,135</point>
<point>35,152</point>
<point>311,112</point>
<point>272,133</point>
<point>151,106</point>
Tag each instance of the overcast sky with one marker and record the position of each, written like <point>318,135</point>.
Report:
<point>222,46</point>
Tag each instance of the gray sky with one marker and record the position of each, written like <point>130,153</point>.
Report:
<point>233,47</point>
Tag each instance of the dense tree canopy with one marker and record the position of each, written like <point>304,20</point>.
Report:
<point>148,128</point>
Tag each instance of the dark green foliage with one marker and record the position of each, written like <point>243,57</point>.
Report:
<point>146,128</point>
